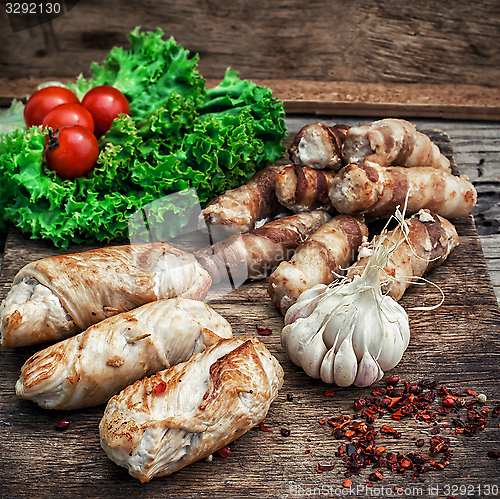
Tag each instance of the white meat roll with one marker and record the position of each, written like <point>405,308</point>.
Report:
<point>88,369</point>
<point>57,297</point>
<point>162,423</point>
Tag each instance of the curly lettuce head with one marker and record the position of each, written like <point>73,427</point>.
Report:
<point>179,136</point>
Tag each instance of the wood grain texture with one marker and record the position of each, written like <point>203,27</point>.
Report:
<point>369,41</point>
<point>459,343</point>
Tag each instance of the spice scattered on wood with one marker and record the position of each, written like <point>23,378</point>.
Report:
<point>262,426</point>
<point>224,452</point>
<point>285,432</point>
<point>62,425</point>
<point>426,401</point>
<point>329,393</point>
<point>321,467</point>
<point>264,331</point>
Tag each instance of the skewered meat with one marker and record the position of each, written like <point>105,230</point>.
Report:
<point>319,146</point>
<point>392,142</point>
<point>319,260</point>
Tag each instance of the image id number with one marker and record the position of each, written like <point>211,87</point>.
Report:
<point>32,8</point>
<point>470,490</point>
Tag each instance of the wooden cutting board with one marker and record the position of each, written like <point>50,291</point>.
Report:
<point>457,344</point>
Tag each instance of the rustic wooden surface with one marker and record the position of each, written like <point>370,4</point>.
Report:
<point>458,344</point>
<point>421,59</point>
<point>365,41</point>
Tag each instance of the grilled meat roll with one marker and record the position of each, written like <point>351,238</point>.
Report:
<point>54,298</point>
<point>162,423</point>
<point>89,368</point>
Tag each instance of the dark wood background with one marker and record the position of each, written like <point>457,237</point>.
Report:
<point>328,40</point>
<point>360,55</point>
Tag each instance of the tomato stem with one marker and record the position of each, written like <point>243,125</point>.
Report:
<point>53,139</point>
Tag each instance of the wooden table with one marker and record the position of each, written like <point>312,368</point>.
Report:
<point>458,344</point>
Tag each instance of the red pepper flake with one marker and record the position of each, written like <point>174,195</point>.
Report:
<point>62,425</point>
<point>263,427</point>
<point>377,476</point>
<point>264,331</point>
<point>224,452</point>
<point>347,483</point>
<point>321,421</point>
<point>285,432</point>
<point>390,431</point>
<point>494,454</point>
<point>321,467</point>
<point>329,393</point>
<point>496,411</point>
<point>406,463</point>
<point>307,451</point>
<point>472,393</point>
<point>160,387</point>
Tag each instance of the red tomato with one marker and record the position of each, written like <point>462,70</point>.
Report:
<point>44,100</point>
<point>105,104</point>
<point>69,114</point>
<point>71,151</point>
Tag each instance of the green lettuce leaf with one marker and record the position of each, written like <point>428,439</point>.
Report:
<point>148,73</point>
<point>12,118</point>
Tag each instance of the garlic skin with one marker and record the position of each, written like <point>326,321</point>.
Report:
<point>347,333</point>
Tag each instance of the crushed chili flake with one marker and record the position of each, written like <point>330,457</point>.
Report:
<point>285,432</point>
<point>347,483</point>
<point>62,425</point>
<point>321,467</point>
<point>494,453</point>
<point>160,387</point>
<point>224,452</point>
<point>264,331</point>
<point>376,476</point>
<point>423,401</point>
<point>496,411</point>
<point>329,393</point>
<point>289,397</point>
<point>262,426</point>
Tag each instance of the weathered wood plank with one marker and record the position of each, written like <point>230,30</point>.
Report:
<point>458,344</point>
<point>471,102</point>
<point>372,42</point>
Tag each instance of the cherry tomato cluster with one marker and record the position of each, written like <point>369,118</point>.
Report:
<point>74,127</point>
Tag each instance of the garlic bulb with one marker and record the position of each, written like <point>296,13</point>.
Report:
<point>348,333</point>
